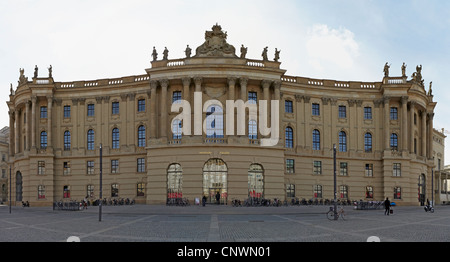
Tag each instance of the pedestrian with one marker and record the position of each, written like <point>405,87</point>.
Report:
<point>387,206</point>
<point>218,197</point>
<point>204,200</point>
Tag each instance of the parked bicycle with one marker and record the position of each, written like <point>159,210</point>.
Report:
<point>340,213</point>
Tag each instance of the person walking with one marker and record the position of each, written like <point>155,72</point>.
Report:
<point>387,206</point>
<point>218,198</point>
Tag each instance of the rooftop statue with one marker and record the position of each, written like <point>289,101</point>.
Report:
<point>386,69</point>
<point>215,44</point>
<point>264,54</point>
<point>165,54</point>
<point>154,54</point>
<point>243,51</point>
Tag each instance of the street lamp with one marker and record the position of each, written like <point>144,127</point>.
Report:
<point>335,191</point>
<point>101,189</point>
<point>10,189</point>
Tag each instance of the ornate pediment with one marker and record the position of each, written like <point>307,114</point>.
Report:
<point>215,44</point>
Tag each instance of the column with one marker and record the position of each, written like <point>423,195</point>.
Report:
<point>131,109</point>
<point>33,122</point>
<point>49,121</point>
<point>430,135</point>
<point>81,130</point>
<point>74,120</point>
<point>386,124</point>
<point>153,85</point>
<point>186,89</point>
<point>163,128</point>
<point>16,131</point>
<point>411,126</point>
<point>27,125</point>
<point>266,96</point>
<point>424,133</point>
<point>404,123</point>
<point>231,88</point>
<point>124,117</point>
<point>198,108</point>
<point>11,132</point>
<point>243,81</point>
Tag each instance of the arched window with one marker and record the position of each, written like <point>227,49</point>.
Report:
<point>252,130</point>
<point>394,142</point>
<point>316,139</point>
<point>141,136</point>
<point>289,137</point>
<point>342,141</point>
<point>43,140</point>
<point>255,181</point>
<point>174,182</point>
<point>367,142</point>
<point>215,173</point>
<point>67,140</point>
<point>214,122</point>
<point>90,139</point>
<point>115,138</point>
<point>177,129</point>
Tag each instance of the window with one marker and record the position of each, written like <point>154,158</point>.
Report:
<point>90,167</point>
<point>114,190</point>
<point>141,105</point>
<point>176,96</point>
<point>252,97</point>
<point>115,138</point>
<point>90,110</point>
<point>317,191</point>
<point>368,170</point>
<point>43,112</point>
<point>41,192</point>
<point>367,142</point>
<point>367,113</point>
<point>315,109</point>
<point>397,170</point>
<point>90,190</point>
<point>316,139</point>
<point>214,122</point>
<point>66,111</point>
<point>141,165</point>
<point>67,140</point>
<point>394,113</point>
<point>343,168</point>
<point>174,181</point>
<point>90,139</point>
<point>290,168</point>
<point>289,141</point>
<point>115,108</point>
<point>317,167</point>
<point>114,166</point>
<point>343,191</point>
<point>140,189</point>
<point>141,136</point>
<point>342,112</point>
<point>66,192</point>
<point>252,130</point>
<point>290,190</point>
<point>288,107</point>
<point>394,142</point>
<point>41,167</point>
<point>177,129</point>
<point>342,141</point>
<point>43,140</point>
<point>66,168</point>
<point>369,192</point>
<point>397,193</point>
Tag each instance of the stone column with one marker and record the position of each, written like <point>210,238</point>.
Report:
<point>27,125</point>
<point>16,131</point>
<point>424,133</point>
<point>186,89</point>
<point>386,124</point>
<point>430,135</point>
<point>231,88</point>
<point>11,132</point>
<point>49,121</point>
<point>33,122</point>
<point>153,113</point>
<point>124,118</point>
<point>163,128</point>
<point>243,81</point>
<point>74,135</point>
<point>411,126</point>
<point>197,109</point>
<point>404,123</point>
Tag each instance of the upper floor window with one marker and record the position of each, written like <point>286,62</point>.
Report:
<point>177,129</point>
<point>342,141</point>
<point>316,139</point>
<point>394,141</point>
<point>315,109</point>
<point>90,139</point>
<point>141,136</point>
<point>141,105</point>
<point>342,112</point>
<point>176,96</point>
<point>252,97</point>
<point>214,122</point>
<point>288,107</point>
<point>368,142</point>
<point>115,108</point>
<point>90,110</point>
<point>43,112</point>
<point>67,140</point>
<point>66,111</point>
<point>115,138</point>
<point>394,113</point>
<point>367,113</point>
<point>289,137</point>
<point>43,140</point>
<point>252,130</point>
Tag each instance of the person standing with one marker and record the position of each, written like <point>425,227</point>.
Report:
<point>387,206</point>
<point>218,197</point>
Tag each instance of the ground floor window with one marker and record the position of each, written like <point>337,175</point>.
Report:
<point>369,192</point>
<point>343,191</point>
<point>290,190</point>
<point>215,186</point>
<point>140,189</point>
<point>317,191</point>
<point>66,192</point>
<point>114,190</point>
<point>397,193</point>
<point>41,192</point>
<point>256,181</point>
<point>174,181</point>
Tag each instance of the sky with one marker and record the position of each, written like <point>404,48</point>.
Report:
<point>347,40</point>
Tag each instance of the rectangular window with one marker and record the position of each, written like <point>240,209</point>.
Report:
<point>394,113</point>
<point>114,166</point>
<point>176,96</point>
<point>66,192</point>
<point>343,168</point>
<point>367,113</point>
<point>140,190</point>
<point>66,111</point>
<point>90,190</point>
<point>252,97</point>
<point>290,168</point>
<point>369,192</point>
<point>41,167</point>
<point>317,168</point>
<point>66,168</point>
<point>342,112</point>
<point>90,110</point>
<point>397,170</point>
<point>43,112</point>
<point>288,107</point>
<point>397,193</point>
<point>317,191</point>
<point>141,105</point>
<point>315,109</point>
<point>369,170</point>
<point>41,192</point>
<point>90,167</point>
<point>115,108</point>
<point>290,190</point>
<point>141,165</point>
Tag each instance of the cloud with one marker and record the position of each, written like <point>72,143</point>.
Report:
<point>327,47</point>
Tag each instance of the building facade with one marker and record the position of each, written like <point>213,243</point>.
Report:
<point>382,132</point>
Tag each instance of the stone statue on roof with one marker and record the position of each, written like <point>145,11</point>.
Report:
<point>154,54</point>
<point>215,44</point>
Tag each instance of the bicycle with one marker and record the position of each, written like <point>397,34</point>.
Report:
<point>340,213</point>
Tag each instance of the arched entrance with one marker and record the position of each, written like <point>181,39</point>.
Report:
<point>422,189</point>
<point>19,186</point>
<point>256,181</point>
<point>215,185</point>
<point>174,183</point>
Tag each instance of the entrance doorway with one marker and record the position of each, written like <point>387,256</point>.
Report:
<point>215,186</point>
<point>422,189</point>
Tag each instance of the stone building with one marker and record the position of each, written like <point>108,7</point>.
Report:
<point>151,153</point>
<point>4,177</point>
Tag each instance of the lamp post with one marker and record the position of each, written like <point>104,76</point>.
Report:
<point>101,189</point>
<point>334,175</point>
<point>10,189</point>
